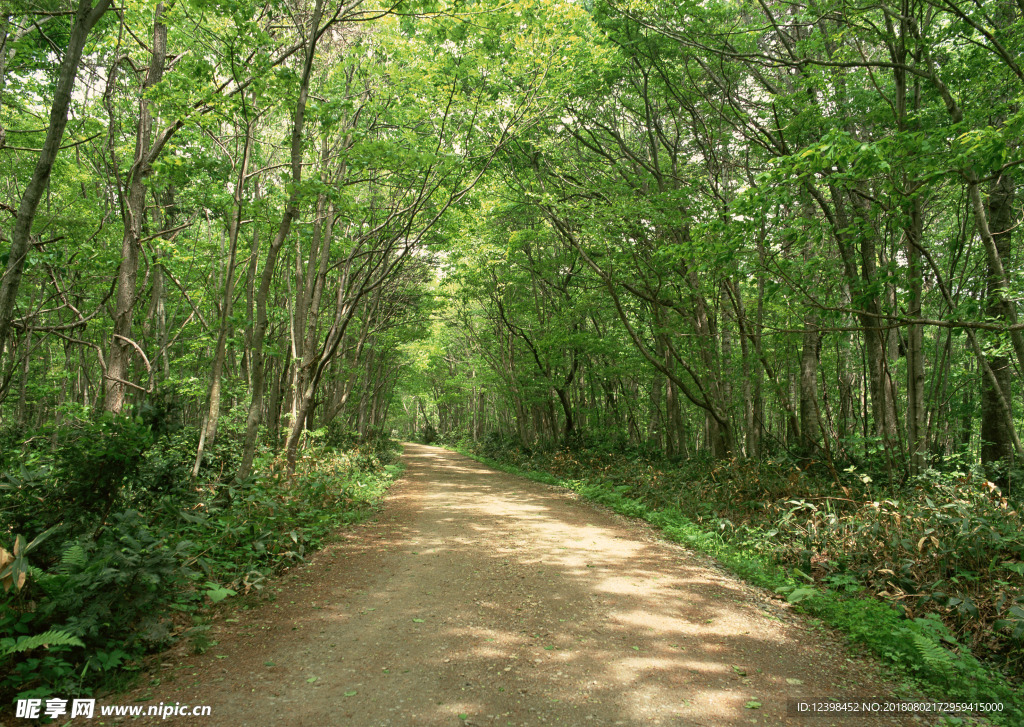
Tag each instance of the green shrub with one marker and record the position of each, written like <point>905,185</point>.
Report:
<point>94,460</point>
<point>116,587</point>
<point>103,595</point>
<point>139,540</point>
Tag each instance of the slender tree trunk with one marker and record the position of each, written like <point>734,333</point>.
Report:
<point>846,373</point>
<point>996,436</point>
<point>917,440</point>
<point>963,439</point>
<point>673,428</point>
<point>810,424</point>
<point>4,36</point>
<point>751,444</point>
<point>252,422</point>
<point>159,301</point>
<point>121,349</point>
<point>23,408</point>
<point>307,314</point>
<point>938,417</point>
<point>655,426</point>
<point>86,16</point>
<point>793,437</point>
<point>209,431</point>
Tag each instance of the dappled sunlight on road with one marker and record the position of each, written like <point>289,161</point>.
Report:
<point>564,615</point>
<point>484,599</point>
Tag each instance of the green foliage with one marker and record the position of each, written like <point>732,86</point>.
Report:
<point>11,437</point>
<point>217,593</point>
<point>222,458</point>
<point>106,596</point>
<point>113,588</point>
<point>340,435</point>
<point>95,458</point>
<point>14,565</point>
<point>53,637</point>
<point>96,466</point>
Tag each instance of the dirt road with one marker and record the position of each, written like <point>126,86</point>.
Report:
<point>479,598</point>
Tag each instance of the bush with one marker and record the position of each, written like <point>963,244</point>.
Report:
<point>108,594</point>
<point>138,540</point>
<point>11,438</point>
<point>116,587</point>
<point>95,457</point>
<point>222,457</point>
<point>340,435</point>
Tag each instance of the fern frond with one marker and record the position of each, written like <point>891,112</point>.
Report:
<point>53,637</point>
<point>73,558</point>
<point>931,653</point>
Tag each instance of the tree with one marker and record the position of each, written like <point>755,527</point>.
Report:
<point>86,15</point>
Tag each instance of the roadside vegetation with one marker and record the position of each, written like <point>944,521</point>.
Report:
<point>129,550</point>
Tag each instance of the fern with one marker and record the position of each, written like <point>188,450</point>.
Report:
<point>931,653</point>
<point>72,559</point>
<point>53,637</point>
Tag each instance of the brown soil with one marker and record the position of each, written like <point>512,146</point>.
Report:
<point>480,598</point>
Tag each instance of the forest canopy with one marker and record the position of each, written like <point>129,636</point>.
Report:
<point>726,227</point>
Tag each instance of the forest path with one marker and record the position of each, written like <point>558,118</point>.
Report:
<point>480,598</point>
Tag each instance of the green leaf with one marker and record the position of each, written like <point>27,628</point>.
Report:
<point>752,704</point>
<point>1017,568</point>
<point>799,594</point>
<point>217,593</point>
<point>47,638</point>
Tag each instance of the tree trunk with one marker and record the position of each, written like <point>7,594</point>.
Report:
<point>810,425</point>
<point>209,431</point>
<point>996,437</point>
<point>86,16</point>
<point>917,440</point>
<point>655,427</point>
<point>252,421</point>
<point>121,349</point>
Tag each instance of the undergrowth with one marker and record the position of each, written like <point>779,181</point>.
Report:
<point>927,575</point>
<point>129,551</point>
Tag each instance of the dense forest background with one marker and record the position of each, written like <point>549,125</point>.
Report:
<point>762,247</point>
